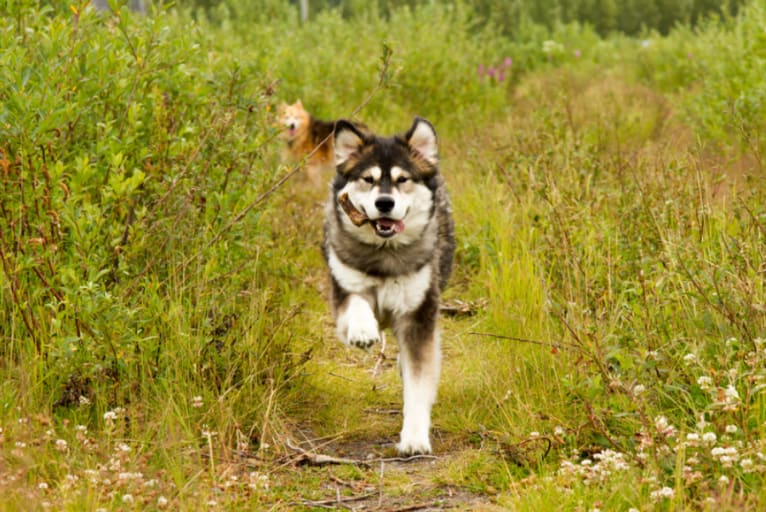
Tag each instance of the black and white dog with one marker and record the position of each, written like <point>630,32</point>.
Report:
<point>389,269</point>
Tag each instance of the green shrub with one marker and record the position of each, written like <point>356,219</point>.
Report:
<point>134,161</point>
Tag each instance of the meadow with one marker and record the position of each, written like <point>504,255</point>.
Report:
<point>166,342</point>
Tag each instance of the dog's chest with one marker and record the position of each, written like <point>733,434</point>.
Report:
<point>395,295</point>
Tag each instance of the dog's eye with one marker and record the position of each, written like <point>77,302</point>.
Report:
<point>402,179</point>
<point>369,179</point>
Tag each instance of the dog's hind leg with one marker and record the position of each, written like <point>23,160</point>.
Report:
<point>420,365</point>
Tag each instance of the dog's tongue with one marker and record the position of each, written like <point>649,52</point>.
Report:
<point>396,225</point>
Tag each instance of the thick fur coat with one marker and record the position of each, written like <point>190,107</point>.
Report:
<point>390,270</point>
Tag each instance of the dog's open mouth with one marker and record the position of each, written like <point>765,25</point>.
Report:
<point>387,228</point>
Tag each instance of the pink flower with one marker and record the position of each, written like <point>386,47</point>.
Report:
<point>481,69</point>
<point>491,71</point>
<point>577,54</point>
<point>507,62</point>
<point>501,75</point>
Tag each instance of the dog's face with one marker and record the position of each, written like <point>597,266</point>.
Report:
<point>293,118</point>
<point>390,180</point>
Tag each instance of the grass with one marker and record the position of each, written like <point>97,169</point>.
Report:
<point>163,307</point>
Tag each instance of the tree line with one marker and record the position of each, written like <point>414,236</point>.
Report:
<point>630,17</point>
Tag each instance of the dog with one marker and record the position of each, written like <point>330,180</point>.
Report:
<point>302,132</point>
<point>389,244</point>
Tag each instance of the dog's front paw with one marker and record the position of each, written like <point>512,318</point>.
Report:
<point>362,334</point>
<point>357,326</point>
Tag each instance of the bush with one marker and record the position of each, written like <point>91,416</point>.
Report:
<point>134,161</point>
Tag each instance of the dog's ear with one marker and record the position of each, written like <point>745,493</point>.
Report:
<point>347,141</point>
<point>422,138</point>
<point>298,103</point>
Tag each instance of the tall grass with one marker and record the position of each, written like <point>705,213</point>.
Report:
<point>646,269</point>
<point>162,317</point>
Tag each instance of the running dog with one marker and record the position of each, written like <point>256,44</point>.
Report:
<point>302,133</point>
<point>389,243</point>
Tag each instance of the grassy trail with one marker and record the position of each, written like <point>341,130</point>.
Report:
<point>349,405</point>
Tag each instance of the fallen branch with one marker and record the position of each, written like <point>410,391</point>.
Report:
<point>461,308</point>
<point>418,506</point>
<point>320,459</point>
<point>552,344</point>
<point>333,502</point>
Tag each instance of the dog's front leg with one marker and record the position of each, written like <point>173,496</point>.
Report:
<point>356,324</point>
<point>420,364</point>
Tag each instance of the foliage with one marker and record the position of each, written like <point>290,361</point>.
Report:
<point>161,307</point>
<point>130,159</point>
<point>630,17</point>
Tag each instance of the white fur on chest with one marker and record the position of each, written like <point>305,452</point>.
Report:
<point>398,295</point>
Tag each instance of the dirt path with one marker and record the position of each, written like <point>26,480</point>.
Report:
<point>343,432</point>
<point>358,476</point>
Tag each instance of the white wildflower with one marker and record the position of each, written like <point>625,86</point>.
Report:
<point>162,502</point>
<point>731,429</point>
<point>665,492</point>
<point>690,358</point>
<point>92,475</point>
<point>197,402</point>
<point>731,393</point>
<point>663,427</point>
<point>705,382</point>
<point>730,398</point>
<point>61,445</point>
<point>127,498</point>
<point>709,438</point>
<point>258,480</point>
<point>726,456</point>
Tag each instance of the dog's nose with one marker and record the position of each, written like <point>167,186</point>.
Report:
<point>384,204</point>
